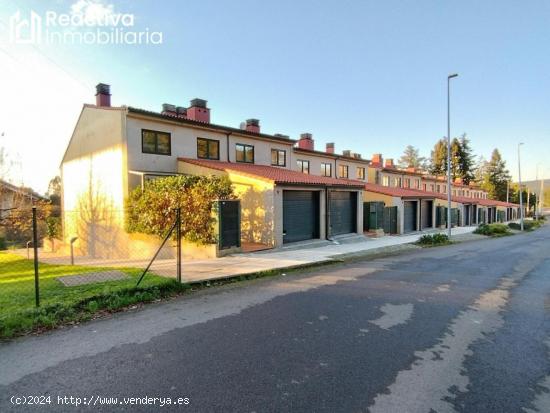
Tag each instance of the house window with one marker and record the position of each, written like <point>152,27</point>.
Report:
<point>208,149</point>
<point>244,153</point>
<point>303,166</point>
<point>397,182</point>
<point>326,169</point>
<point>278,157</point>
<point>154,142</point>
<point>438,188</point>
<point>360,173</point>
<point>425,187</point>
<point>343,171</point>
<point>377,177</point>
<point>386,181</point>
<point>417,184</point>
<point>431,187</point>
<point>407,182</point>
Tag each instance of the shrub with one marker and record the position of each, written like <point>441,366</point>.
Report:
<point>151,210</point>
<point>433,239</point>
<point>527,225</point>
<point>492,230</point>
<point>3,243</point>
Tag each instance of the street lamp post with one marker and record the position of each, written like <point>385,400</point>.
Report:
<point>520,190</point>
<point>449,153</point>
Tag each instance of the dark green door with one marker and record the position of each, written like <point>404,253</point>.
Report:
<point>373,215</point>
<point>229,215</point>
<point>343,209</point>
<point>410,216</point>
<point>390,220</point>
<point>426,213</point>
<point>300,215</point>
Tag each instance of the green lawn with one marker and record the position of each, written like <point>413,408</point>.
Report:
<point>60,304</point>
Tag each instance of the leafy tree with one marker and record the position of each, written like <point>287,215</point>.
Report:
<point>496,177</point>
<point>411,159</point>
<point>54,190</point>
<point>151,210</point>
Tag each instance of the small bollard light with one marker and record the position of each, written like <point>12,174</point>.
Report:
<point>73,239</point>
<point>28,249</point>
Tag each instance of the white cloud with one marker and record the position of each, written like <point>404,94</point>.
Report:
<point>95,11</point>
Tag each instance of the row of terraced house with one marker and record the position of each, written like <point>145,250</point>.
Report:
<point>288,189</point>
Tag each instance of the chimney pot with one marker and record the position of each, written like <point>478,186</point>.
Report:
<point>330,147</point>
<point>252,125</point>
<point>181,112</point>
<point>346,153</point>
<point>168,109</point>
<point>389,163</point>
<point>103,95</point>
<point>306,142</point>
<point>377,159</point>
<point>280,135</point>
<point>198,111</point>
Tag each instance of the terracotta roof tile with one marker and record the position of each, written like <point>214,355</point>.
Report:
<point>273,173</point>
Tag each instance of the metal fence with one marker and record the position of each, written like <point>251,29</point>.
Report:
<point>44,251</point>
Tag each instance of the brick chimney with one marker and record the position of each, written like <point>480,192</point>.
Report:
<point>198,111</point>
<point>168,109</point>
<point>377,159</point>
<point>330,147</point>
<point>103,95</point>
<point>306,141</point>
<point>459,181</point>
<point>389,163</point>
<point>181,112</point>
<point>252,125</point>
<point>346,153</point>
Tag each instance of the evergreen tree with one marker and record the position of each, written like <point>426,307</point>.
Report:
<point>466,162</point>
<point>496,177</point>
<point>411,158</point>
<point>438,162</point>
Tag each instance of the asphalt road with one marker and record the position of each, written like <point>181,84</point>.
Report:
<point>462,328</point>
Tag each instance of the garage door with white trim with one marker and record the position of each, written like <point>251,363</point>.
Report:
<point>410,216</point>
<point>300,215</point>
<point>343,212</point>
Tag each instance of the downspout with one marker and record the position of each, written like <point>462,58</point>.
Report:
<point>327,212</point>
<point>227,135</point>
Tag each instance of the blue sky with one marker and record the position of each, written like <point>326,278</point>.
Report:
<point>368,75</point>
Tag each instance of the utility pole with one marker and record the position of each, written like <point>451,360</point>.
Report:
<point>508,192</point>
<point>520,190</point>
<point>449,225</point>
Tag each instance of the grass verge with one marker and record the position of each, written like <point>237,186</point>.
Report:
<point>63,305</point>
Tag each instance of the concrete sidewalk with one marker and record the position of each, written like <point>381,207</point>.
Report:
<point>248,263</point>
<point>240,264</point>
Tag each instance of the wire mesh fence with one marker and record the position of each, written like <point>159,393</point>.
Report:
<point>73,254</point>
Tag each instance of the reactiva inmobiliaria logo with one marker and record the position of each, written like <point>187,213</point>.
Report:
<point>87,26</point>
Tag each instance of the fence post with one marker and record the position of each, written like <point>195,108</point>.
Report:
<point>35,250</point>
<point>178,243</point>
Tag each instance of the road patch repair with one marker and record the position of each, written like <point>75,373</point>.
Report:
<point>393,315</point>
<point>439,369</point>
<point>91,278</point>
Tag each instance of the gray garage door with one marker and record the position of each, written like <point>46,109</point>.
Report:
<point>343,209</point>
<point>410,216</point>
<point>300,215</point>
<point>427,214</point>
